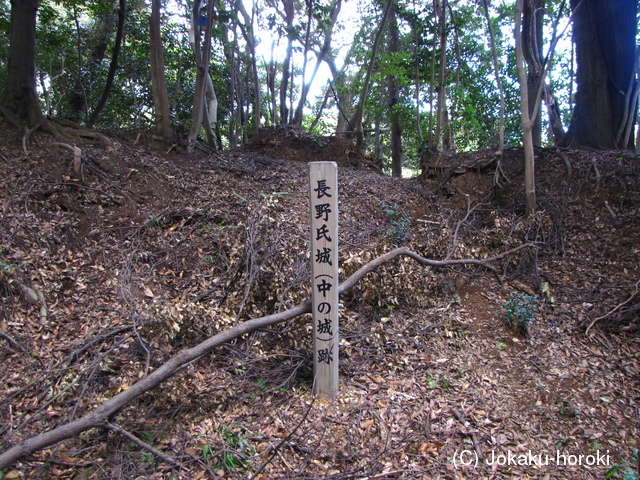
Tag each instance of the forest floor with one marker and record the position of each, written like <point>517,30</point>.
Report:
<point>108,272</point>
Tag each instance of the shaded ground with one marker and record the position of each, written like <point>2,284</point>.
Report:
<point>109,272</point>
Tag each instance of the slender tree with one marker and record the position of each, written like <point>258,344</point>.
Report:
<point>202,51</point>
<point>321,56</point>
<point>440,7</point>
<point>112,67</point>
<point>532,28</point>
<point>496,70</point>
<point>394,114</point>
<point>526,113</point>
<point>356,120</point>
<point>250,38</point>
<point>158,81</point>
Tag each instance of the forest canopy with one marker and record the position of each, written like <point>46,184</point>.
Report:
<point>404,79</point>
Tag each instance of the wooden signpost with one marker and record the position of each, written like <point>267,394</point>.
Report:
<point>323,198</point>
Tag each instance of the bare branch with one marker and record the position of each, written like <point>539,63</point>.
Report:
<point>100,416</point>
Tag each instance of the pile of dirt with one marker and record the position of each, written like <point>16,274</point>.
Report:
<point>107,273</point>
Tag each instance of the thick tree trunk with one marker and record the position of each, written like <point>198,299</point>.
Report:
<point>604,33</point>
<point>158,81</point>
<point>19,98</point>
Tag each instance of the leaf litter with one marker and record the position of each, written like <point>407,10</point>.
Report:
<point>149,253</point>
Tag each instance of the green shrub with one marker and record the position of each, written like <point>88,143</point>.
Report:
<point>520,311</point>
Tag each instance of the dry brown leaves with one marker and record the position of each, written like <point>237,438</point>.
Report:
<point>150,253</point>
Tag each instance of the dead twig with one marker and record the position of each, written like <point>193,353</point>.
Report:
<point>276,449</point>
<point>99,416</point>
<point>454,242</point>
<point>15,344</point>
<point>618,307</point>
<point>140,443</point>
<point>470,432</point>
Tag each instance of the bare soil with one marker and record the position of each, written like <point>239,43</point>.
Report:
<point>108,272</point>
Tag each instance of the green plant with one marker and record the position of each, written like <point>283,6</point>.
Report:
<point>627,469</point>
<point>207,452</point>
<point>400,228</point>
<point>444,382</point>
<point>238,447</point>
<point>502,346</point>
<point>520,312</point>
<point>566,408</point>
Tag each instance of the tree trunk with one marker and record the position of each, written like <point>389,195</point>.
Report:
<point>250,38</point>
<point>356,120</point>
<point>496,70</point>
<point>326,48</point>
<point>158,81</point>
<point>202,55</point>
<point>432,141</point>
<point>288,8</point>
<point>525,117</point>
<point>532,23</point>
<point>19,98</point>
<point>112,68</point>
<point>604,34</point>
<point>442,92</point>
<point>394,114</point>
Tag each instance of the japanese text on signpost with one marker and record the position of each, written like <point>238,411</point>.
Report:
<point>323,196</point>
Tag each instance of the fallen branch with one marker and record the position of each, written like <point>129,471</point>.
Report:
<point>618,307</point>
<point>100,416</point>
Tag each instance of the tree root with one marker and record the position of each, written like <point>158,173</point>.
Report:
<point>101,416</point>
<point>35,297</point>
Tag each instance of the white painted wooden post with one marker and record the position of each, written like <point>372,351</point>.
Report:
<point>323,198</point>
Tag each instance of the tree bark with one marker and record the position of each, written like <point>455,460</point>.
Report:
<point>158,81</point>
<point>320,57</point>
<point>525,117</point>
<point>441,89</point>
<point>112,67</point>
<point>19,98</point>
<point>394,114</point>
<point>356,120</point>
<point>532,24</point>
<point>604,34</point>
<point>496,71</point>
